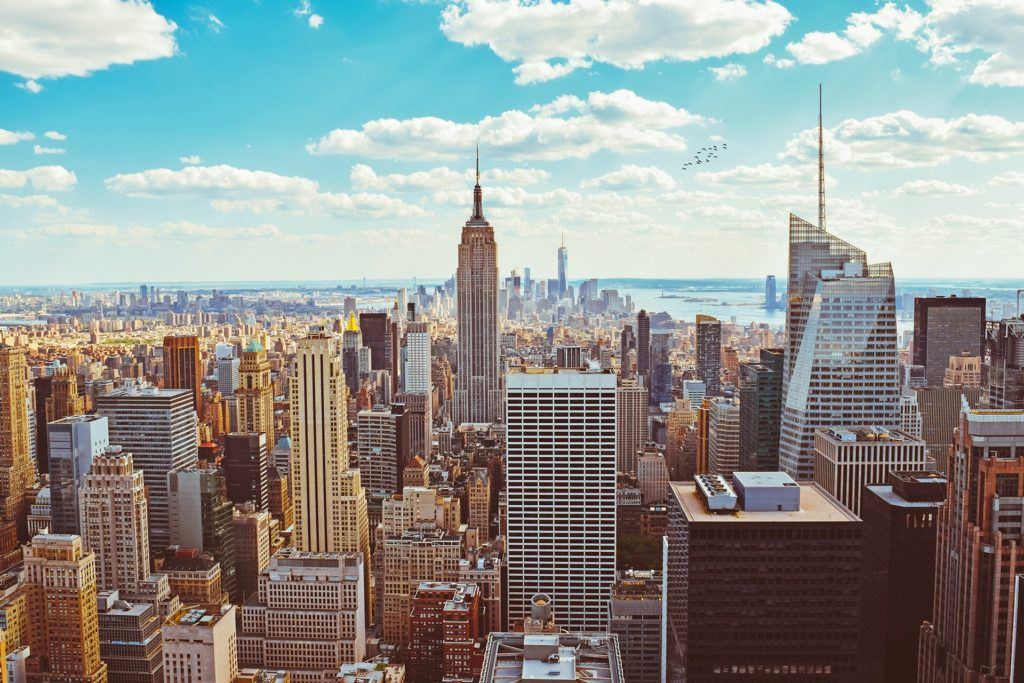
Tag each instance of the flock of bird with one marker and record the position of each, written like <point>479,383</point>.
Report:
<point>710,152</point>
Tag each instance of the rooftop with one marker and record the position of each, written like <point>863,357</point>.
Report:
<point>815,506</point>
<point>529,658</point>
<point>872,434</point>
<point>198,615</point>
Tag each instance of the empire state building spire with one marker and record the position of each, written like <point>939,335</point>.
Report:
<point>478,194</point>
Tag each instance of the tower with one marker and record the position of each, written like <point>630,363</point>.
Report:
<point>563,266</point>
<point>255,393</point>
<point>478,382</point>
<point>16,470</point>
<point>183,367</point>
<point>709,353</point>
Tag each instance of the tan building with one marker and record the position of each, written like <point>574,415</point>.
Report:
<point>963,371</point>
<point>631,423</point>
<point>723,436</point>
<point>415,473</point>
<point>195,578</point>
<point>484,569</point>
<point>478,491</point>
<point>279,497</point>
<point>309,615</point>
<point>64,399</point>
<point>416,506</point>
<point>255,393</point>
<point>409,559</point>
<point>16,468</point>
<point>252,547</point>
<point>652,475</point>
<point>677,425</point>
<point>115,521</point>
<point>61,580</point>
<point>201,645</point>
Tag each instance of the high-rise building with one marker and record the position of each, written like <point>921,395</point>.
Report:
<point>251,530</point>
<point>652,474</point>
<point>444,632</point>
<point>410,558</point>
<point>319,456</point>
<point>709,353</point>
<point>721,564</point>
<point>183,367</point>
<point>630,423</point>
<point>944,327</point>
<point>761,412</point>
<point>383,446</point>
<point>636,614</point>
<point>200,518</point>
<point>63,399</point>
<point>309,615</point>
<point>61,580</point>
<point>643,346</point>
<point>72,442</point>
<point>478,380</point>
<point>849,458</point>
<point>201,644</point>
<point>417,357</point>
<point>723,436</point>
<point>16,468</point>
<point>842,359</point>
<point>478,492</point>
<point>770,299</point>
<point>627,343</point>
<point>561,492</point>
<point>900,518</point>
<point>977,552</point>
<point>351,344</point>
<point>131,643</point>
<point>376,330</point>
<point>115,521</point>
<point>563,268</point>
<point>255,393</point>
<point>158,427</point>
<point>567,356</point>
<point>963,371</point>
<point>1004,369</point>
<point>485,570</point>
<point>940,414</point>
<point>418,414</point>
<point>228,366</point>
<point>245,465</point>
<point>661,367</point>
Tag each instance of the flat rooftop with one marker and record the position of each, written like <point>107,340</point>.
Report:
<point>519,658</point>
<point>815,506</point>
<point>880,435</point>
<point>197,615</point>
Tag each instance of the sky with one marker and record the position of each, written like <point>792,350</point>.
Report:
<point>294,139</point>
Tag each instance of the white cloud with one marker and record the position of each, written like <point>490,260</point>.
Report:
<point>45,178</point>
<point>315,21</point>
<point>54,38</point>
<point>54,135</point>
<point>79,230</point>
<point>567,127</point>
<point>32,200</point>
<point>926,188</point>
<point>904,139</point>
<point>31,85</point>
<point>778,62</point>
<point>763,175</point>
<point>239,189</point>
<point>191,160</point>
<point>39,149</point>
<point>567,35</point>
<point>1008,178</point>
<point>728,72</point>
<point>305,10</point>
<point>13,137</point>
<point>632,177</point>
<point>363,177</point>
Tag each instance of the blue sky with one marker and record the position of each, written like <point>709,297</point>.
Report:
<point>240,140</point>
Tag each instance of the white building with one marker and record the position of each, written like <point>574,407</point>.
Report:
<point>417,359</point>
<point>724,437</point>
<point>201,645</point>
<point>560,485</point>
<point>631,423</point>
<point>73,442</point>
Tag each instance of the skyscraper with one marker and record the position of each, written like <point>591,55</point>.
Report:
<point>351,345</point>
<point>1004,369</point>
<point>158,427</point>
<point>183,367</point>
<point>246,458</point>
<point>842,360</point>
<point>709,353</point>
<point>770,300</point>
<point>16,468</point>
<point>563,268</point>
<point>63,398</point>
<point>478,381</point>
<point>201,518</point>
<point>944,327</point>
<point>255,392</point>
<point>661,367</point>
<point>561,488</point>
<point>115,521</point>
<point>73,443</point>
<point>643,346</point>
<point>723,436</point>
<point>383,445</point>
<point>227,369</point>
<point>977,552</point>
<point>761,412</point>
<point>630,423</point>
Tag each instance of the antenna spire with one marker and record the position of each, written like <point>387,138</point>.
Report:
<point>478,163</point>
<point>821,166</point>
<point>478,194</point>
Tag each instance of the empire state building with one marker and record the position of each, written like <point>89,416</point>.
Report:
<point>478,381</point>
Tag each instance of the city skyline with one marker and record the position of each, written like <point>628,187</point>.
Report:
<point>250,136</point>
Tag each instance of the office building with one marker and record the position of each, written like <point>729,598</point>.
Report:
<point>723,436</point>
<point>940,415</point>
<point>417,357</point>
<point>977,552</point>
<point>849,458</point>
<point>377,334</point>
<point>709,353</point>
<point>115,521</point>
<point>732,562</point>
<point>309,616</point>
<point>194,576</point>
<point>201,644</point>
<point>630,423</point>
<point>1004,369</point>
<point>563,269</point>
<point>351,345</point>
<point>62,399</point>
<point>61,580</point>
<point>694,392</point>
<point>963,371</point>
<point>552,657</point>
<point>900,518</point>
<point>483,568</point>
<point>251,530</point>
<point>410,558</point>
<point>627,343</point>
<point>652,474</point>
<point>254,396</point>
<point>201,518</point>
<point>444,632</point>
<point>478,493</point>
<point>944,327</point>
<point>561,489</point>
<point>760,390</point>
<point>131,643</point>
<point>227,365</point>
<point>643,346</point>
<point>245,466</point>
<point>72,443</point>
<point>183,367</point>
<point>661,367</point>
<point>319,454</point>
<point>383,446</point>
<point>770,297</point>
<point>478,381</point>
<point>158,427</point>
<point>637,616</point>
<point>17,471</point>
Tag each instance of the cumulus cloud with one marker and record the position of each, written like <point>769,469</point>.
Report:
<point>239,189</point>
<point>728,72</point>
<point>764,175</point>
<point>363,177</point>
<point>87,230</point>
<point>54,135</point>
<point>1008,178</point>
<point>904,139</point>
<point>39,149</point>
<point>305,10</point>
<point>632,177</point>
<point>54,38</point>
<point>31,85</point>
<point>45,178</point>
<point>13,137</point>
<point>550,39</point>
<point>191,159</point>
<point>779,62</point>
<point>32,200</point>
<point>566,127</point>
<point>928,188</point>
